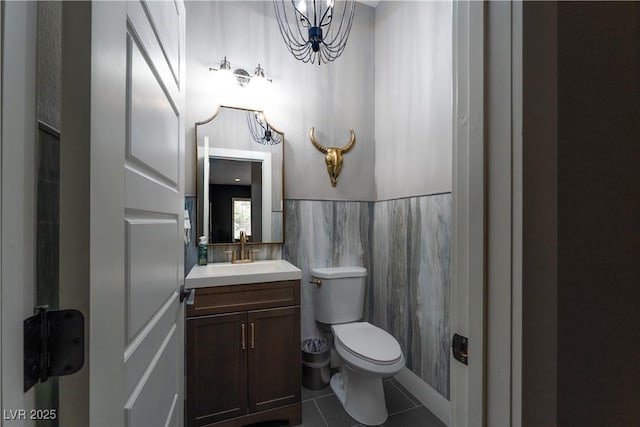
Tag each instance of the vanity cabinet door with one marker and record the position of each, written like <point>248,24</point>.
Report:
<point>274,358</point>
<point>216,367</point>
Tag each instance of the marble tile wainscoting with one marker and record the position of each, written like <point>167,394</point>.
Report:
<point>217,253</point>
<point>404,244</point>
<point>325,234</point>
<point>411,281</point>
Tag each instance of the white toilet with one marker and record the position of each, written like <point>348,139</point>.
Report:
<point>367,353</point>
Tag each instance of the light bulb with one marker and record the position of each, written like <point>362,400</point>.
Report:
<point>302,7</point>
<point>226,79</point>
<point>225,84</point>
<point>258,89</point>
<point>258,85</point>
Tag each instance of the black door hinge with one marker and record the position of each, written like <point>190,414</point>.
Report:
<point>460,347</point>
<point>53,345</point>
<point>187,294</point>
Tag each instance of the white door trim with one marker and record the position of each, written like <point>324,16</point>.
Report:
<point>486,290</point>
<point>247,155</point>
<point>503,190</point>
<point>468,225</point>
<point>503,100</point>
<point>18,170</point>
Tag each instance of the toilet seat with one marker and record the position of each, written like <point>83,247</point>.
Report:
<point>368,342</point>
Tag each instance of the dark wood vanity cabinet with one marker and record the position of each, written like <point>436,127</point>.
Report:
<point>243,354</point>
<point>216,368</point>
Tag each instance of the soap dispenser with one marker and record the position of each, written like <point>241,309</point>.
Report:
<point>202,250</point>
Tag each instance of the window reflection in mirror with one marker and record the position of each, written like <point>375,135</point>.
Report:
<point>241,218</point>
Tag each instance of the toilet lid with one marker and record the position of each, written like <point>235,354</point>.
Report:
<point>368,341</point>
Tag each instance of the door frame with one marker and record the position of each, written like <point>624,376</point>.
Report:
<point>503,136</point>
<point>18,195</point>
<point>486,256</point>
<point>468,215</point>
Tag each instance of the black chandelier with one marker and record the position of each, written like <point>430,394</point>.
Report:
<point>260,130</point>
<point>309,29</point>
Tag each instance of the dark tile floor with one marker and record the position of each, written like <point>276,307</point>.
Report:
<point>322,409</point>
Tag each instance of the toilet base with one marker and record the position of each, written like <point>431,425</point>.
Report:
<point>362,396</point>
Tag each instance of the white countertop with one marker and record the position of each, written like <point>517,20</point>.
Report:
<point>225,273</point>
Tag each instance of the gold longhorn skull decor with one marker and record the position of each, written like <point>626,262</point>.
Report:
<point>333,155</point>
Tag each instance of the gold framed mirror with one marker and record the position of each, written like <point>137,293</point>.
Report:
<point>239,178</point>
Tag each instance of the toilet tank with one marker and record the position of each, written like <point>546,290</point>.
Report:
<point>340,297</point>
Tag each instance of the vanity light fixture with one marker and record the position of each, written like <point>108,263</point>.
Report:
<point>242,77</point>
<point>259,72</point>
<point>309,30</point>
<point>224,65</point>
<point>225,75</point>
<point>260,130</point>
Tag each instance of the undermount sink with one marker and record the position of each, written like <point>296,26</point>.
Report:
<point>226,273</point>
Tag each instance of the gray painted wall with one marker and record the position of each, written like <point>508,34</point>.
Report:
<point>413,91</point>
<point>388,84</point>
<point>333,98</point>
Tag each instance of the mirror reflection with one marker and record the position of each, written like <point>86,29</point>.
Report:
<point>239,178</point>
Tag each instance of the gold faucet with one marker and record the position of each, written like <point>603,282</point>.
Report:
<point>244,256</point>
<point>243,241</point>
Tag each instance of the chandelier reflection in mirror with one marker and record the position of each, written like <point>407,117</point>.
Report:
<point>260,130</point>
<point>315,30</point>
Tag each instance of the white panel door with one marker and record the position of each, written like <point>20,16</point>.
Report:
<point>152,218</point>
<point>468,232</point>
<point>122,206</point>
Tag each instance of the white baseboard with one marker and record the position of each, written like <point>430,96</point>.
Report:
<point>427,395</point>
